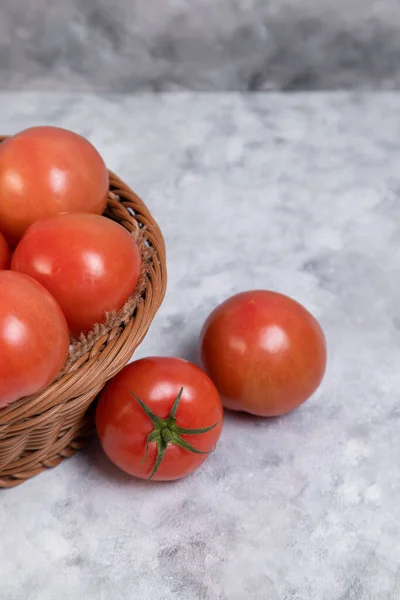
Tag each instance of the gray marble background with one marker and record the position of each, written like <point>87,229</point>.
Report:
<point>293,192</point>
<point>137,45</point>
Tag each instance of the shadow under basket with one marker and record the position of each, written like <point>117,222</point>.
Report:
<point>38,432</point>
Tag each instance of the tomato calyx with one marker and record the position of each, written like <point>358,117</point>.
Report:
<point>167,431</point>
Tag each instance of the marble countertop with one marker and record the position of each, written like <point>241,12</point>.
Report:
<point>298,193</point>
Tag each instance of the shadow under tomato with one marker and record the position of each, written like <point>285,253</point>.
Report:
<point>242,419</point>
<point>190,351</point>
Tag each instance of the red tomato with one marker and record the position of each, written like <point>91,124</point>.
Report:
<point>265,352</point>
<point>34,338</point>
<point>5,254</point>
<point>142,407</point>
<point>89,263</point>
<point>45,171</point>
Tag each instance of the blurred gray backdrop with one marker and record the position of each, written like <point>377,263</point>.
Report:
<point>140,45</point>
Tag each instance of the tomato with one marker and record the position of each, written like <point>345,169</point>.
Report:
<point>264,351</point>
<point>5,254</point>
<point>34,338</point>
<point>159,418</point>
<point>89,263</point>
<point>45,171</point>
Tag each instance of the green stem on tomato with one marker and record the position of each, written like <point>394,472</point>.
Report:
<point>166,432</point>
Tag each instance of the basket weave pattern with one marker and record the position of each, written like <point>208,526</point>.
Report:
<point>38,432</point>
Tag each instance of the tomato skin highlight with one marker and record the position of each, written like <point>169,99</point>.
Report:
<point>123,427</point>
<point>90,264</point>
<point>34,337</point>
<point>46,171</point>
<point>264,351</point>
<point>5,254</point>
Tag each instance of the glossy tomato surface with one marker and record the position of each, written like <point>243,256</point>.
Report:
<point>5,253</point>
<point>264,351</point>
<point>123,426</point>
<point>89,263</point>
<point>34,337</point>
<point>45,171</point>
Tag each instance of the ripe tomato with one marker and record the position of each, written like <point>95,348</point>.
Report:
<point>159,418</point>
<point>89,263</point>
<point>5,254</point>
<point>265,352</point>
<point>34,337</point>
<point>45,171</point>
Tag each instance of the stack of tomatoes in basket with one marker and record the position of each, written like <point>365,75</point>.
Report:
<point>159,418</point>
<point>64,266</point>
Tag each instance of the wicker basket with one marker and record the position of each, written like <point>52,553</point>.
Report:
<point>38,432</point>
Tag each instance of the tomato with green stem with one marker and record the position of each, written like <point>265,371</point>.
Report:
<point>159,418</point>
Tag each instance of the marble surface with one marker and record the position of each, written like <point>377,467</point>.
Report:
<point>136,45</point>
<point>296,193</point>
